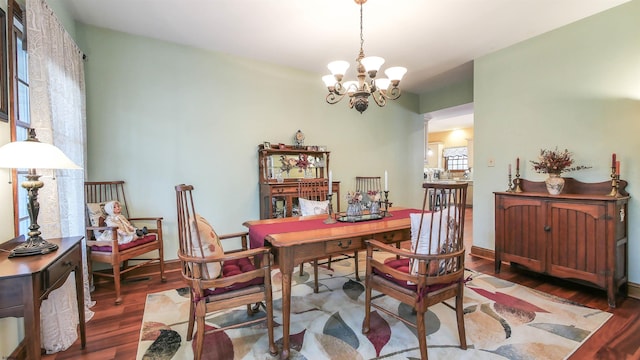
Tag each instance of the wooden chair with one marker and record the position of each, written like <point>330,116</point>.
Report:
<point>313,190</point>
<point>98,193</point>
<point>424,278</point>
<point>368,183</point>
<point>245,278</point>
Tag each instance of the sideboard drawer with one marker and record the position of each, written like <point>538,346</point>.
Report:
<point>343,245</point>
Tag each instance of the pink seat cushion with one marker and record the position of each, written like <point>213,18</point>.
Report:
<point>143,240</point>
<point>235,267</point>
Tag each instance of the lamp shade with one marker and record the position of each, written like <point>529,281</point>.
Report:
<point>32,154</point>
<point>396,73</point>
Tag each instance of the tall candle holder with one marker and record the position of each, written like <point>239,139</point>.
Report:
<point>386,202</point>
<point>510,184</point>
<point>517,181</point>
<point>615,183</point>
<point>329,219</point>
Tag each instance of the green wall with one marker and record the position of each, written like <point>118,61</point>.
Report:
<point>577,87</point>
<point>161,114</point>
<point>459,93</point>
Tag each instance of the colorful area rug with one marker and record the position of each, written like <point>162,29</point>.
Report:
<point>503,321</point>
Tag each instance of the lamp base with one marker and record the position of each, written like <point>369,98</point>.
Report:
<point>33,246</point>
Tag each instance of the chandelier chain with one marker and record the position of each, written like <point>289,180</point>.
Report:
<point>361,36</point>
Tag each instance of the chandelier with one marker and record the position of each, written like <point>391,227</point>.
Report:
<point>359,91</point>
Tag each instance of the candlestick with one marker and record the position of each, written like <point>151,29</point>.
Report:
<point>613,160</point>
<point>386,184</point>
<point>518,164</point>
<point>618,168</point>
<point>330,183</point>
<point>615,182</point>
<point>517,189</point>
<point>510,184</point>
<point>509,170</point>
<point>387,204</point>
<point>329,219</point>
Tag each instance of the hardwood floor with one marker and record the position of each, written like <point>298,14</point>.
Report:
<point>114,330</point>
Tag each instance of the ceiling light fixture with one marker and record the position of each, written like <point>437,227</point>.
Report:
<point>359,91</point>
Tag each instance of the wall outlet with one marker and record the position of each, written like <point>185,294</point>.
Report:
<point>491,162</point>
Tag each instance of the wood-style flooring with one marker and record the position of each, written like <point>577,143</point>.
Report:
<point>114,330</point>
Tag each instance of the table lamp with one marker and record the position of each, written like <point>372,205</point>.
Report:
<point>31,154</point>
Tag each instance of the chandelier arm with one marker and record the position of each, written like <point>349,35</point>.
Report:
<point>334,98</point>
<point>379,98</point>
<point>393,93</point>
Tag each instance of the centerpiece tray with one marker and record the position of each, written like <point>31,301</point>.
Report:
<point>358,218</point>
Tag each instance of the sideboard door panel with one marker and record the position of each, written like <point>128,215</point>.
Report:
<point>521,231</point>
<point>577,236</point>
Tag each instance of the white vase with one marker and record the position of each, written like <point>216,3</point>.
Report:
<point>554,183</point>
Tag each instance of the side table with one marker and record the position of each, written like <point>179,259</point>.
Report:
<point>27,281</point>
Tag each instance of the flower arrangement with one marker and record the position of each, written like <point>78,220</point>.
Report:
<point>373,195</point>
<point>555,162</point>
<point>354,197</point>
<point>288,163</point>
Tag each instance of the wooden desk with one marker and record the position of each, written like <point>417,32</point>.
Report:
<point>294,247</point>
<point>27,281</point>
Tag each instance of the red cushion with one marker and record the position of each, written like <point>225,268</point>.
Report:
<point>403,266</point>
<point>400,265</point>
<point>143,240</point>
<point>235,267</point>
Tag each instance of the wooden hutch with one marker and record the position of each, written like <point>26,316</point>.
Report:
<point>579,235</point>
<point>279,182</point>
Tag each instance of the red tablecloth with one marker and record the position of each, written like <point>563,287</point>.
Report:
<point>257,233</point>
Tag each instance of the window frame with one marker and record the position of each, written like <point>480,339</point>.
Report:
<point>18,125</point>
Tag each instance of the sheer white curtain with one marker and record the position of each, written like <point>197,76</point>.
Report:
<point>57,109</point>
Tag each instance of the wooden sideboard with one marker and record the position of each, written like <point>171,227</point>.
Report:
<point>279,188</point>
<point>578,235</point>
<point>27,281</point>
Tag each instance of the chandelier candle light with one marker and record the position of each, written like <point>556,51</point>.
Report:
<point>380,90</point>
<point>31,154</point>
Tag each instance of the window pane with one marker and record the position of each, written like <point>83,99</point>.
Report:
<point>23,103</point>
<point>23,73</point>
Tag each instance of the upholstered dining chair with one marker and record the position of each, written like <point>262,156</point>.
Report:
<point>97,194</point>
<point>432,271</point>
<point>220,279</point>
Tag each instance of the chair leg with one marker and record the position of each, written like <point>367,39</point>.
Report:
<point>116,283</point>
<point>460,318</point>
<point>315,276</point>
<point>329,263</point>
<point>161,255</point>
<point>367,306</point>
<point>422,334</point>
<point>301,270</point>
<point>199,337</point>
<point>355,258</point>
<point>192,312</point>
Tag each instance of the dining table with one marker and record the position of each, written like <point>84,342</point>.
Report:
<point>294,240</point>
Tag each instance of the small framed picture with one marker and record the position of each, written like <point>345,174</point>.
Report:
<point>267,145</point>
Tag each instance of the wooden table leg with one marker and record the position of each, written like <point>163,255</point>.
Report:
<point>286,268</point>
<point>80,300</point>
<point>31,321</point>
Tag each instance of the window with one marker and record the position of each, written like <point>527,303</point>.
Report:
<point>20,121</point>
<point>456,158</point>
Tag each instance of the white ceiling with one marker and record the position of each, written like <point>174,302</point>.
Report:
<point>436,40</point>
